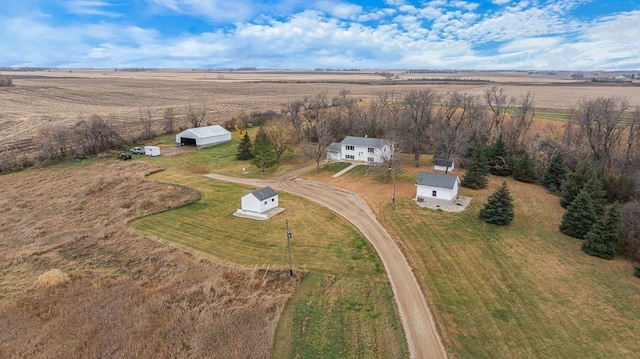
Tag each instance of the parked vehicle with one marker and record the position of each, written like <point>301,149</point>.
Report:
<point>125,157</point>
<point>137,150</point>
<point>152,151</point>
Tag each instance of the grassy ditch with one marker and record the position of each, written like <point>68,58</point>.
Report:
<point>331,317</point>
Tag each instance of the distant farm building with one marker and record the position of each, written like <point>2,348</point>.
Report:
<point>441,164</point>
<point>437,187</point>
<point>203,136</point>
<point>361,149</point>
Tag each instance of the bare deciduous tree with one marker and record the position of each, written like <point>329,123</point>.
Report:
<point>600,124</point>
<point>55,141</point>
<point>453,130</point>
<point>418,117</point>
<point>283,136</point>
<point>499,105</point>
<point>95,135</point>
<point>168,120</point>
<point>145,117</point>
<point>196,115</point>
<point>516,128</point>
<point>315,147</point>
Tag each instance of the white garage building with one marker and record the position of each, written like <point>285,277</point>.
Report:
<point>203,136</point>
<point>437,187</point>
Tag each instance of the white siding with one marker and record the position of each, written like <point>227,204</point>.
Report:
<point>251,203</point>
<point>360,153</point>
<point>441,193</point>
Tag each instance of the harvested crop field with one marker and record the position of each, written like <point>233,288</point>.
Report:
<point>64,97</point>
<point>76,282</point>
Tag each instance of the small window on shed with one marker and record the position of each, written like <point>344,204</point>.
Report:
<point>265,202</point>
<point>273,199</point>
<point>434,193</point>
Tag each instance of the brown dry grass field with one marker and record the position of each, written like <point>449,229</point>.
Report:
<point>76,282</point>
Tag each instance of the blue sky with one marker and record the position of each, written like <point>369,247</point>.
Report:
<point>391,34</point>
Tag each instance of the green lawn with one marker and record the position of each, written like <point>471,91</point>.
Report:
<point>344,297</point>
<point>333,317</point>
<point>520,291</point>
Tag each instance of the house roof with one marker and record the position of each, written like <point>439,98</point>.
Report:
<point>204,132</point>
<point>334,147</point>
<point>442,162</point>
<point>264,193</point>
<point>436,180</point>
<point>364,141</point>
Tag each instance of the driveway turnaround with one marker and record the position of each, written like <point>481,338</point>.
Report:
<point>422,336</point>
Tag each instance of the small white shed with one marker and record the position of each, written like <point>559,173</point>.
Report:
<point>437,186</point>
<point>152,151</point>
<point>441,164</point>
<point>260,200</point>
<point>203,136</point>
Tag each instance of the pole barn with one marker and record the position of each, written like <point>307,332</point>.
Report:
<point>203,136</point>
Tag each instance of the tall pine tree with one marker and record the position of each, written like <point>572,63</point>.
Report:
<point>524,170</point>
<point>476,175</point>
<point>245,148</point>
<point>264,152</point>
<point>575,181</point>
<point>602,240</point>
<point>499,208</point>
<point>579,217</point>
<point>499,161</point>
<point>555,175</point>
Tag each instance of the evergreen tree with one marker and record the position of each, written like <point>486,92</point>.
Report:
<point>476,176</point>
<point>499,161</point>
<point>595,188</point>
<point>575,181</point>
<point>579,217</point>
<point>555,175</point>
<point>264,152</point>
<point>524,170</point>
<point>499,208</point>
<point>603,238</point>
<point>245,148</point>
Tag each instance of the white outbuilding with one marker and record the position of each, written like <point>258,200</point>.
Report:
<point>203,136</point>
<point>441,164</point>
<point>152,151</point>
<point>260,200</point>
<point>437,187</point>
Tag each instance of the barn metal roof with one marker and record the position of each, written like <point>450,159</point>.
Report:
<point>439,180</point>
<point>264,193</point>
<point>204,132</point>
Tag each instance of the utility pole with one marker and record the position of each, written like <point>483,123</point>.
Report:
<point>289,235</point>
<point>393,199</point>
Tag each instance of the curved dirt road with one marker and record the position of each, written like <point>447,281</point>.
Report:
<point>417,320</point>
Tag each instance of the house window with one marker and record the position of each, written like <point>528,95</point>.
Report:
<point>434,193</point>
<point>273,199</point>
<point>265,202</point>
<point>350,157</point>
<point>371,149</point>
<point>350,148</point>
<point>369,159</point>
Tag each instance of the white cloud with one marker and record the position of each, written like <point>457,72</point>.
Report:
<point>90,8</point>
<point>215,10</point>
<point>339,9</point>
<point>500,2</point>
<point>438,35</point>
